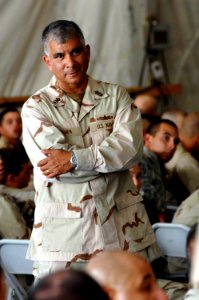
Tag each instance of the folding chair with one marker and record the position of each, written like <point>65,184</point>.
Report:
<point>172,239</point>
<point>14,263</point>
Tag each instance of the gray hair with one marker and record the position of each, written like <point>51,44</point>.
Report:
<point>61,31</point>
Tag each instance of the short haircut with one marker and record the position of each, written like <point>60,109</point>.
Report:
<point>13,161</point>
<point>72,284</point>
<point>61,31</point>
<point>7,110</point>
<point>155,125</point>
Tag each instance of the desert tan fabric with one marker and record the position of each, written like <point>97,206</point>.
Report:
<point>185,167</point>
<point>188,212</point>
<point>96,206</point>
<point>12,223</point>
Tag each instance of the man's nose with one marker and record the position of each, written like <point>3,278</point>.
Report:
<point>69,61</point>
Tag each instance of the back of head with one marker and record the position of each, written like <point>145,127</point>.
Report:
<point>61,31</point>
<point>190,126</point>
<point>124,275</point>
<point>13,162</point>
<point>175,115</point>
<point>147,104</point>
<point>67,284</point>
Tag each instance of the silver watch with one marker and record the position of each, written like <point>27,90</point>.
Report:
<point>73,159</point>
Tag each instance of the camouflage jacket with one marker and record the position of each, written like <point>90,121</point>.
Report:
<point>96,206</point>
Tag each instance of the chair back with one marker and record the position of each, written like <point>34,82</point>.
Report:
<point>171,238</point>
<point>13,262</point>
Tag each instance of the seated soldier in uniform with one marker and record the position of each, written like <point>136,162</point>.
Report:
<point>16,203</point>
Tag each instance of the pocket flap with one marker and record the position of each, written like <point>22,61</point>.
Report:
<point>128,199</point>
<point>60,210</point>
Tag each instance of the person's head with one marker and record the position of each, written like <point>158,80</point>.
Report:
<point>67,284</point>
<point>189,133</point>
<point>135,173</point>
<point>17,169</point>
<point>147,104</point>
<point>125,276</point>
<point>161,138</point>
<point>10,124</point>
<point>175,115</point>
<point>66,54</point>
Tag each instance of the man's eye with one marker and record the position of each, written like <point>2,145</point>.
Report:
<point>58,55</point>
<point>77,51</point>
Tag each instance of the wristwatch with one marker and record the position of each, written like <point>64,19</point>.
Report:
<point>73,159</point>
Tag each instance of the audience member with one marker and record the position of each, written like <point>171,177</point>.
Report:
<point>67,285</point>
<point>147,104</point>
<point>175,115</point>
<point>17,206</point>
<point>187,212</point>
<point>183,167</point>
<point>125,275</point>
<point>160,142</point>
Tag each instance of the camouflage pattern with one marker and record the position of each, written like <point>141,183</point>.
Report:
<point>96,206</point>
<point>185,167</point>
<point>12,223</point>
<point>16,212</point>
<point>174,290</point>
<point>188,211</point>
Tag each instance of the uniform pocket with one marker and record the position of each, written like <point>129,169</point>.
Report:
<point>63,234</point>
<point>61,227</point>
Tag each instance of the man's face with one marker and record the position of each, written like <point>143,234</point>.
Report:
<point>141,285</point>
<point>68,62</point>
<point>164,142</point>
<point>11,127</point>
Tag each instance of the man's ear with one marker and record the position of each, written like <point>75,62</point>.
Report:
<point>47,61</point>
<point>110,291</point>
<point>10,178</point>
<point>147,139</point>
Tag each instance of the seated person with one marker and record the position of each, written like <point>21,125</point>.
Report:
<point>160,141</point>
<point>125,275</point>
<point>17,206</point>
<point>184,167</point>
<point>67,284</point>
<point>11,130</point>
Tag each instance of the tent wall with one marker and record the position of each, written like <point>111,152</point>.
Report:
<point>116,31</point>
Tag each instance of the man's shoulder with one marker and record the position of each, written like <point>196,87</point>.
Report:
<point>108,87</point>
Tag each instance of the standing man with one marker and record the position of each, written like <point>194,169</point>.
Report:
<point>82,137</point>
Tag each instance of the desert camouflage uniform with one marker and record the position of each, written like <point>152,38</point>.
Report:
<point>96,206</point>
<point>185,168</point>
<point>16,212</point>
<point>188,211</point>
<point>12,223</point>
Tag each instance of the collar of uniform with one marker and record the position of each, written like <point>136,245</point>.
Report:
<point>95,91</point>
